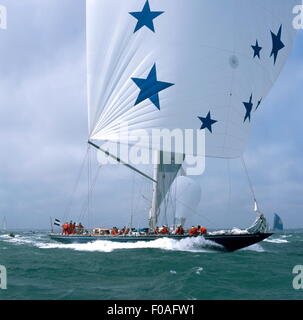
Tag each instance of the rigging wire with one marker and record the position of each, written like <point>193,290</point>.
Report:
<point>139,185</point>
<point>88,183</point>
<point>165,199</point>
<point>229,186</point>
<point>249,180</point>
<point>87,202</point>
<point>132,200</point>
<point>194,212</point>
<point>76,184</point>
<point>173,197</point>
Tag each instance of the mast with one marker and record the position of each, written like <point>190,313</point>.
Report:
<point>153,216</point>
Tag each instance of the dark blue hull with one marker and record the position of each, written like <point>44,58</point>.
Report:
<point>91,238</point>
<point>228,242</point>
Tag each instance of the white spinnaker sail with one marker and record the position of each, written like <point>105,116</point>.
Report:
<point>184,64</point>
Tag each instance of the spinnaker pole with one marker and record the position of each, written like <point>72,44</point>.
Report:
<point>122,162</point>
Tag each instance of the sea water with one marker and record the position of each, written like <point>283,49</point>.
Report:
<point>190,269</point>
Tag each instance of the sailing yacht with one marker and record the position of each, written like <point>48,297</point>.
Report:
<point>278,224</point>
<point>193,66</point>
<point>4,225</point>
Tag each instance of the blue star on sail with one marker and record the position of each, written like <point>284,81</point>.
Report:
<point>150,87</point>
<point>146,17</point>
<point>277,44</point>
<point>207,122</point>
<point>248,107</point>
<point>257,49</point>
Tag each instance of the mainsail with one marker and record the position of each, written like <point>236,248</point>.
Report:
<point>165,175</point>
<point>184,64</point>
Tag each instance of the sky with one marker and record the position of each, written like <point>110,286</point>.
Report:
<point>43,130</point>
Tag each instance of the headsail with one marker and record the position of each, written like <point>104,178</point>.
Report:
<point>259,226</point>
<point>184,64</point>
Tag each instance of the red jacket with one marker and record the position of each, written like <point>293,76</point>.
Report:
<point>164,230</point>
<point>193,231</point>
<point>179,231</point>
<point>203,230</point>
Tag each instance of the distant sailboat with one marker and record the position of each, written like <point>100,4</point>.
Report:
<point>166,65</point>
<point>4,225</point>
<point>278,223</point>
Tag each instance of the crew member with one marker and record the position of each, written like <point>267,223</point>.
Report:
<point>179,231</point>
<point>65,228</point>
<point>193,231</point>
<point>203,231</point>
<point>114,231</point>
<point>70,227</point>
<point>73,228</point>
<point>164,230</point>
<point>80,228</point>
<point>122,231</point>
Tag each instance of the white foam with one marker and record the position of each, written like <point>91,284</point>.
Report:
<point>198,270</point>
<point>5,236</point>
<point>21,240</point>
<point>189,244</point>
<point>255,247</point>
<point>276,240</point>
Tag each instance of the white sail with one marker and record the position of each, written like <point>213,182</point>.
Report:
<point>4,224</point>
<point>260,225</point>
<point>187,64</point>
<point>165,175</point>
